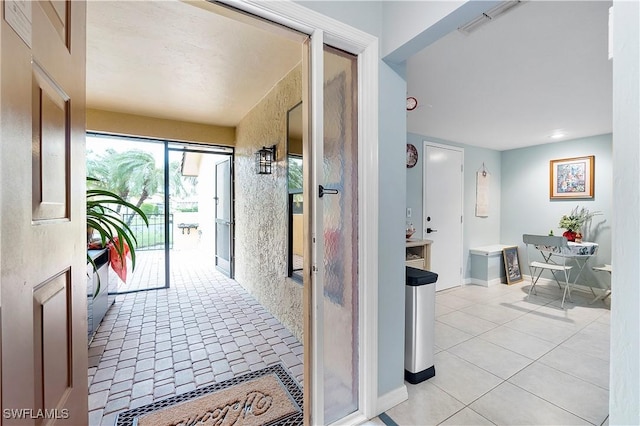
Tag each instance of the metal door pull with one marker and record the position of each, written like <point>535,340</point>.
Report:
<point>429,230</point>
<point>323,190</point>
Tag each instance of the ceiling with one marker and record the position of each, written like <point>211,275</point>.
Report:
<point>540,67</point>
<point>173,60</point>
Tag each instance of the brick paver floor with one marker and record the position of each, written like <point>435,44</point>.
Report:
<point>155,344</point>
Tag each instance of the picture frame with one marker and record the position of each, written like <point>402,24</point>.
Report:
<point>512,264</point>
<point>571,178</point>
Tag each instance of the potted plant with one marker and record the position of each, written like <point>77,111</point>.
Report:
<point>574,222</point>
<point>114,233</point>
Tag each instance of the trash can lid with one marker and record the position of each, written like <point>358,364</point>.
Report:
<point>418,277</point>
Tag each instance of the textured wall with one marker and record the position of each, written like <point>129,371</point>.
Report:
<point>624,383</point>
<point>261,206</point>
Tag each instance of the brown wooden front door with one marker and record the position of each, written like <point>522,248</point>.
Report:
<point>42,214</point>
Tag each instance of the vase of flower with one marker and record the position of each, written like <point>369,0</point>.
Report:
<point>574,222</point>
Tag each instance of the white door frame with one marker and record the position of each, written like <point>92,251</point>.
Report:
<point>325,30</point>
<point>425,236</point>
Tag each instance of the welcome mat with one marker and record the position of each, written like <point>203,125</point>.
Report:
<point>265,397</point>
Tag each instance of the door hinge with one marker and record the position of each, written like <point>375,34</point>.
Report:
<point>461,168</point>
<point>461,219</point>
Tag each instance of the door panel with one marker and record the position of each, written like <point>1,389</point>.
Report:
<point>340,231</point>
<point>224,218</point>
<point>42,214</point>
<point>443,185</point>
<point>50,146</point>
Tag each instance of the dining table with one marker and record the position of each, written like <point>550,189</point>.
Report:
<point>578,253</point>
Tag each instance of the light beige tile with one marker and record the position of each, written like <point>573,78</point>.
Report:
<point>467,323</point>
<point>593,340</point>
<point>508,404</point>
<point>580,398</point>
<point>442,309</point>
<point>447,336</point>
<point>427,405</point>
<point>493,358</point>
<point>543,329</point>
<point>452,301</point>
<point>461,379</point>
<point>494,313</point>
<point>516,341</point>
<point>577,363</point>
<point>466,416</point>
<point>476,293</point>
<point>605,318</point>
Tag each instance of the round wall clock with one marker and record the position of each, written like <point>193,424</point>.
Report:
<point>412,103</point>
<point>412,155</point>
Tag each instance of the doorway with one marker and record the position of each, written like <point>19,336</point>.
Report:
<point>173,184</point>
<point>367,243</point>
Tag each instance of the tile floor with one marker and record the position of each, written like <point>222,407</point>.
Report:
<point>507,360</point>
<point>500,358</point>
<point>156,344</point>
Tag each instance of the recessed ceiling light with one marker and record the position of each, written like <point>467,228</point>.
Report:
<point>558,135</point>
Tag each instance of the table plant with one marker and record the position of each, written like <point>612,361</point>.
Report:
<point>575,221</point>
<point>114,233</point>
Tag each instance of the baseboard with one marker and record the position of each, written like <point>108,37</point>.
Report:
<point>483,283</point>
<point>391,399</point>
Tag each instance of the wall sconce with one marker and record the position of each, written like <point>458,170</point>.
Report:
<point>264,158</point>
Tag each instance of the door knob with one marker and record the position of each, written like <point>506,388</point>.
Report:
<point>429,230</point>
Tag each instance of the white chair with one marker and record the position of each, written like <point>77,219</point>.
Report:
<point>548,246</point>
<point>607,291</point>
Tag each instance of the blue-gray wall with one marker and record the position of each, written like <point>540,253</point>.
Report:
<point>519,194</point>
<point>477,231</point>
<point>526,207</point>
<point>391,269</point>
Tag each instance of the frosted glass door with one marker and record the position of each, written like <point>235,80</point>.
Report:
<point>340,229</point>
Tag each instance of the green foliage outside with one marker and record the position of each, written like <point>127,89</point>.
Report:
<point>149,208</point>
<point>133,176</point>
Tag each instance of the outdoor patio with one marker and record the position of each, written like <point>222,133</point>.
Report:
<point>155,344</point>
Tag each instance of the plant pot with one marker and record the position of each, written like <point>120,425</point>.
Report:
<point>569,235</point>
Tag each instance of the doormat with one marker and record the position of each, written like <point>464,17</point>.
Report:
<point>265,397</point>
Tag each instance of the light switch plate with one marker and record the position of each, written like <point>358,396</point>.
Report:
<point>408,212</point>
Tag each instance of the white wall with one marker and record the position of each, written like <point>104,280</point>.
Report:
<point>624,385</point>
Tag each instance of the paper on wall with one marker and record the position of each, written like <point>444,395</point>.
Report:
<point>482,194</point>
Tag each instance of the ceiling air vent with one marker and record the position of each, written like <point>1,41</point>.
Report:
<point>488,16</point>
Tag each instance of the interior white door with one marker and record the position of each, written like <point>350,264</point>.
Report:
<point>443,204</point>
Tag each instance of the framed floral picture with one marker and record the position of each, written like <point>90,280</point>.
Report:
<point>571,177</point>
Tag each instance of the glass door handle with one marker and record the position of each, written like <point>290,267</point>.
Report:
<point>322,190</point>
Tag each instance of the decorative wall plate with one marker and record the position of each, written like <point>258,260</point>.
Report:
<point>412,155</point>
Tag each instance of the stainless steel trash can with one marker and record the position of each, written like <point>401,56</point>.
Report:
<point>419,332</point>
